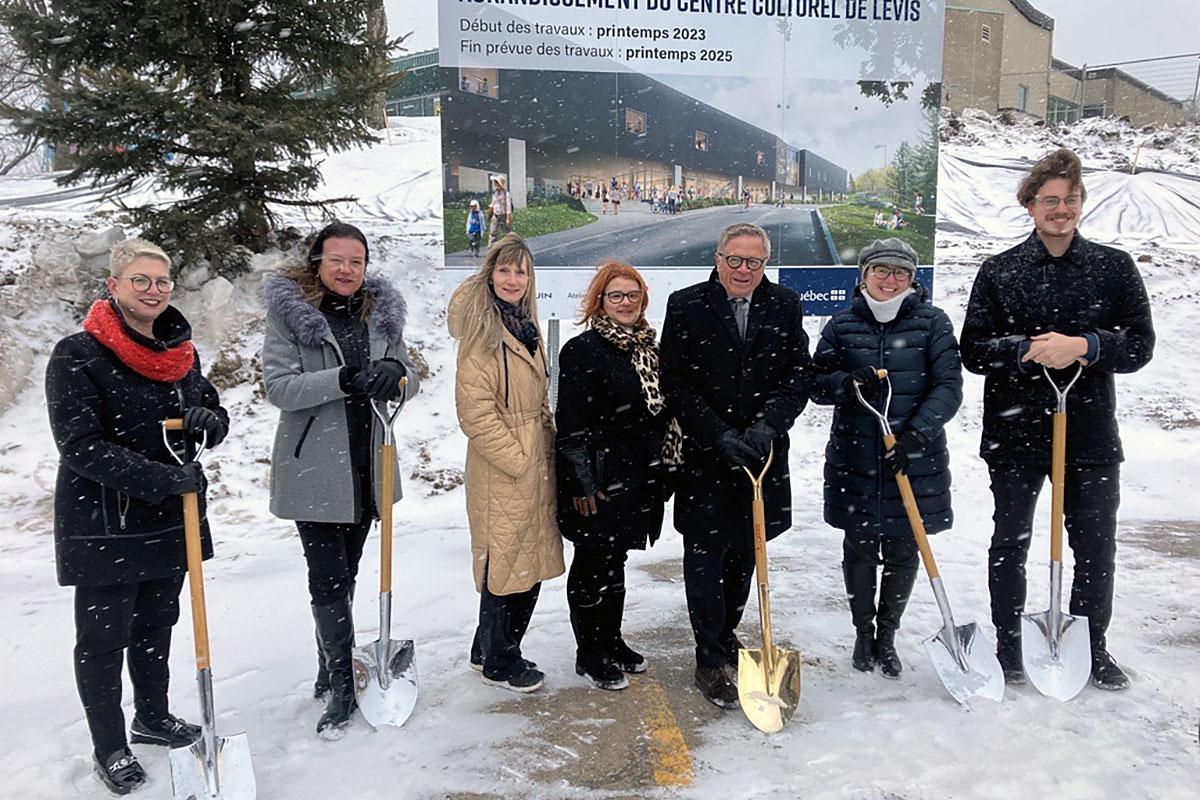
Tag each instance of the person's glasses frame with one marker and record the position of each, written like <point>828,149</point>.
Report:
<point>1053,201</point>
<point>899,274</point>
<point>336,262</point>
<point>616,297</point>
<point>752,263</point>
<point>142,283</point>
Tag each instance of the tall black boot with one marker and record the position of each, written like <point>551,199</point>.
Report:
<point>860,591</point>
<point>894,590</point>
<point>335,627</point>
<point>321,684</point>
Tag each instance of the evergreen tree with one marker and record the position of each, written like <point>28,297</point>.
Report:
<point>926,161</point>
<point>904,174</point>
<point>223,104</point>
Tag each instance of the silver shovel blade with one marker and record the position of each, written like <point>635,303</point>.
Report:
<point>1060,676</point>
<point>234,778</point>
<point>388,696</point>
<point>966,663</point>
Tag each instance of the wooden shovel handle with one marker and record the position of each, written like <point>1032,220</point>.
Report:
<point>1058,468</point>
<point>914,515</point>
<point>173,424</point>
<point>387,484</point>
<point>195,565</point>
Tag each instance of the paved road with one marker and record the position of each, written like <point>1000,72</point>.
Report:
<point>684,240</point>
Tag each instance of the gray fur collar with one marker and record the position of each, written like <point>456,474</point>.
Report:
<point>282,297</point>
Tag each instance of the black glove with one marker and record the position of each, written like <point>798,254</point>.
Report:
<point>868,383</point>
<point>908,445</point>
<point>354,381</point>
<point>735,451</point>
<point>383,379</point>
<point>199,420</point>
<point>190,478</point>
<point>760,436</point>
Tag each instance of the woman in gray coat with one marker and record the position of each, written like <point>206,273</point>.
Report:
<point>334,343</point>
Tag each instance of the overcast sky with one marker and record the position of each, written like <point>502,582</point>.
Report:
<point>1106,31</point>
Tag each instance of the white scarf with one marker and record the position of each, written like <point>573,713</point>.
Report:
<point>886,310</point>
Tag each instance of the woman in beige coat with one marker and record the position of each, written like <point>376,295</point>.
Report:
<point>500,393</point>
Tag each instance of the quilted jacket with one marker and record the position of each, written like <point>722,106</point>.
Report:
<point>500,396</point>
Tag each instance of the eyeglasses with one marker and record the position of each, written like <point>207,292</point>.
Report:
<point>616,297</point>
<point>142,283</point>
<point>735,262</point>
<point>881,271</point>
<point>1072,201</point>
<point>337,262</point>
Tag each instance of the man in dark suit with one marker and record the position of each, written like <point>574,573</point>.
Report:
<point>735,371</point>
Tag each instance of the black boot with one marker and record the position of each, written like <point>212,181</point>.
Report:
<point>1008,653</point>
<point>321,684</point>
<point>1105,672</point>
<point>336,629</point>
<point>894,590</point>
<point>860,591</point>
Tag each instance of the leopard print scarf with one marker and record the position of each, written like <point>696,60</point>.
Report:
<point>640,344</point>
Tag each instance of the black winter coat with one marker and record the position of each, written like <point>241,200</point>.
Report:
<point>919,352</point>
<point>1025,291</point>
<point>118,516</point>
<point>608,440</point>
<point>714,382</point>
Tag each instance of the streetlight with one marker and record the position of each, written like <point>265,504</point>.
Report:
<point>884,146</point>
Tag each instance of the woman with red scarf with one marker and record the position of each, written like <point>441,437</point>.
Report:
<point>118,523</point>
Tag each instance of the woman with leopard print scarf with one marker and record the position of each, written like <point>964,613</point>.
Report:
<point>615,444</point>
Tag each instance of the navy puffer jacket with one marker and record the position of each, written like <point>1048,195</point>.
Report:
<point>920,353</point>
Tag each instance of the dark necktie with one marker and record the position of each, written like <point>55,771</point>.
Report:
<point>741,312</point>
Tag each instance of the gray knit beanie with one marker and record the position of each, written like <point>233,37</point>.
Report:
<point>893,252</point>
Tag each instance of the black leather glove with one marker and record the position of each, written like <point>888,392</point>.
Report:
<point>760,436</point>
<point>383,379</point>
<point>908,445</point>
<point>190,478</point>
<point>353,381</point>
<point>868,383</point>
<point>199,420</point>
<point>735,451</point>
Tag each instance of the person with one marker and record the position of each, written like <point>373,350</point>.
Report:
<point>746,198</point>
<point>474,227</point>
<point>500,390</point>
<point>604,197</point>
<point>499,211</point>
<point>613,451</point>
<point>879,222</point>
<point>334,343</point>
<point>1054,304</point>
<point>890,324</point>
<point>735,371</point>
<point>118,518</point>
<point>615,196</point>
<point>918,203</point>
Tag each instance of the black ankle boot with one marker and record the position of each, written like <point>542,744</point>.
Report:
<point>336,630</point>
<point>889,659</point>
<point>863,658</point>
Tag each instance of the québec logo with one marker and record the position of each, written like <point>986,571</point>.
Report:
<point>831,296</point>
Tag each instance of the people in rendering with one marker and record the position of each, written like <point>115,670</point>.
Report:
<point>474,227</point>
<point>1054,305</point>
<point>615,443</point>
<point>118,518</point>
<point>334,343</point>
<point>890,324</point>
<point>500,210</point>
<point>735,370</point>
<point>500,390</point>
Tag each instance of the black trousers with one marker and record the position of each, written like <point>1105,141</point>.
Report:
<point>596,599</point>
<point>862,553</point>
<point>1091,497</point>
<point>131,620</point>
<point>503,620</point>
<point>332,550</point>
<point>717,579</point>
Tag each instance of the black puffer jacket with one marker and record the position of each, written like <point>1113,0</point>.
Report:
<point>919,352</point>
<point>118,517</point>
<point>1024,291</point>
<point>607,440</point>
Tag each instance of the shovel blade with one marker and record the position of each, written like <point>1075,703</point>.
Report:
<point>966,663</point>
<point>191,773</point>
<point>386,693</point>
<point>768,698</point>
<point>1058,662</point>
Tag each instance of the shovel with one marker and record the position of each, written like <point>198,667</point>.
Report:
<point>1056,647</point>
<point>769,678</point>
<point>964,661</point>
<point>213,767</point>
<point>385,673</point>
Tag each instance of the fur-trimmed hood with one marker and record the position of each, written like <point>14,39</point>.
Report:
<point>282,297</point>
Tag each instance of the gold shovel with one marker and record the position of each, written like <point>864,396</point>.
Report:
<point>769,678</point>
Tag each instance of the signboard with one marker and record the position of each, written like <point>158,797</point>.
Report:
<point>827,290</point>
<point>638,130</point>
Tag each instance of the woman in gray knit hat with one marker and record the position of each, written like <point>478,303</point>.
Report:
<point>890,324</point>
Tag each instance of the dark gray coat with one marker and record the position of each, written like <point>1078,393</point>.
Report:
<point>920,353</point>
<point>312,472</point>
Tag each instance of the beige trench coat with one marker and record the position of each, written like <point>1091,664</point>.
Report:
<point>503,409</point>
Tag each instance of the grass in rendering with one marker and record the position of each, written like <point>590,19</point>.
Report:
<point>852,228</point>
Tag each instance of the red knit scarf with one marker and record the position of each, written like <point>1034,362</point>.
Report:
<point>167,365</point>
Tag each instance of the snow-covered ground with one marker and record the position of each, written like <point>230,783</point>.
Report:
<point>854,736</point>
